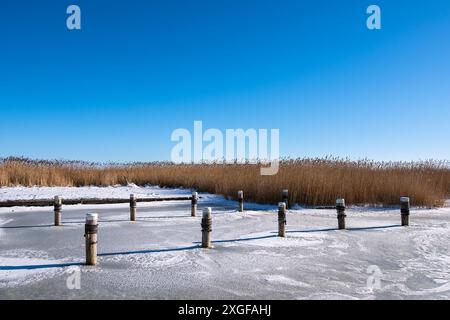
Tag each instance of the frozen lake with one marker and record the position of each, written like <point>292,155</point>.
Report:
<point>158,257</point>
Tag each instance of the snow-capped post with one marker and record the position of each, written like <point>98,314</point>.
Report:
<point>282,219</point>
<point>340,208</point>
<point>206,228</point>
<point>90,233</point>
<point>241,200</point>
<point>57,209</point>
<point>285,197</point>
<point>133,205</point>
<point>194,202</point>
<point>404,209</point>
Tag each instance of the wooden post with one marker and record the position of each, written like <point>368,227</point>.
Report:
<point>241,200</point>
<point>58,209</point>
<point>405,206</point>
<point>90,233</point>
<point>282,219</point>
<point>206,228</point>
<point>340,207</point>
<point>133,206</point>
<point>285,197</point>
<point>194,202</point>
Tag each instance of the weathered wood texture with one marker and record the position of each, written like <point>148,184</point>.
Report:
<point>50,202</point>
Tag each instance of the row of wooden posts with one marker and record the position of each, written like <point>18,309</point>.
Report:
<point>91,226</point>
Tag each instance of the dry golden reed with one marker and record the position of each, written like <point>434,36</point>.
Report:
<point>311,182</point>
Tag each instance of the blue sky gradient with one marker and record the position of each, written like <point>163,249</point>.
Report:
<point>115,90</point>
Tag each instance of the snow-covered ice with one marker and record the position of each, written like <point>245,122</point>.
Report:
<point>158,257</point>
<point>113,192</point>
<point>18,274</point>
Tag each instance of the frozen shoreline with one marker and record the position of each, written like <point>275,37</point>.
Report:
<point>113,192</point>
<point>123,192</point>
<point>248,260</point>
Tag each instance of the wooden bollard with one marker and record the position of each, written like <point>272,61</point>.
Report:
<point>285,197</point>
<point>241,200</point>
<point>404,209</point>
<point>206,228</point>
<point>194,202</point>
<point>58,209</point>
<point>90,233</point>
<point>133,206</point>
<point>282,219</point>
<point>340,208</point>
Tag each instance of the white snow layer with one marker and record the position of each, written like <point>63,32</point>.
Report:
<point>158,256</point>
<point>35,193</point>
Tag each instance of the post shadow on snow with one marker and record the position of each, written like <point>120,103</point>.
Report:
<point>100,221</point>
<point>148,251</point>
<point>348,229</point>
<point>138,218</point>
<point>196,246</point>
<point>63,265</point>
<point>242,239</point>
<point>375,228</point>
<point>40,266</point>
<point>163,217</point>
<point>143,218</point>
<point>28,227</point>
<point>63,224</point>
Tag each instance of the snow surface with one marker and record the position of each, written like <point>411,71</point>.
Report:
<point>35,193</point>
<point>158,257</point>
<point>17,275</point>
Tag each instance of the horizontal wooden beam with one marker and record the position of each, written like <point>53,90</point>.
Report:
<point>50,202</point>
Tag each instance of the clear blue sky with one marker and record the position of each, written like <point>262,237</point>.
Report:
<point>140,69</point>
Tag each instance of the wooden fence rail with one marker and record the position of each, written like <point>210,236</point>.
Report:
<point>51,202</point>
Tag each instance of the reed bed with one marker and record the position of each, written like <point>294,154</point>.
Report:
<point>311,182</point>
